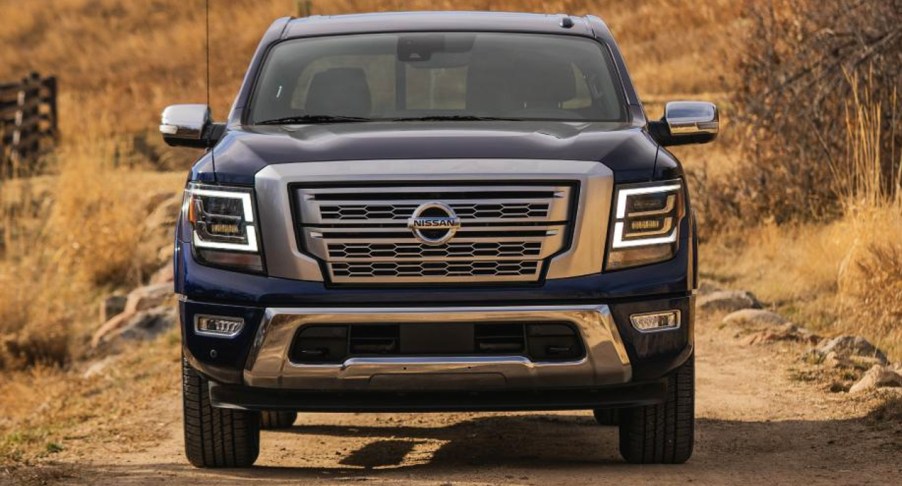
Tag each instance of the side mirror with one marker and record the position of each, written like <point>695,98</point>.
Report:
<point>188,126</point>
<point>686,122</point>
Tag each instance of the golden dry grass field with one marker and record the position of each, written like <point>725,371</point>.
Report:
<point>75,234</point>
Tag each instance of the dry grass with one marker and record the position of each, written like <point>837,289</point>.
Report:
<point>844,276</point>
<point>837,278</point>
<point>821,110</point>
<point>122,62</point>
<point>55,410</point>
<point>862,178</point>
<point>86,237</point>
<point>808,68</point>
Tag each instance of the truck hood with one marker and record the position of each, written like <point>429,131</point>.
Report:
<point>242,152</point>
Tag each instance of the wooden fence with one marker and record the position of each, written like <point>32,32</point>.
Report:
<point>28,123</point>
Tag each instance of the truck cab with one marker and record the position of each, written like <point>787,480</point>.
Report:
<point>437,211</point>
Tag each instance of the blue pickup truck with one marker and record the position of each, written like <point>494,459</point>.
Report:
<point>437,211</point>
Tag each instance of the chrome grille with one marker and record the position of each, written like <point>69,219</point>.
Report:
<point>506,231</point>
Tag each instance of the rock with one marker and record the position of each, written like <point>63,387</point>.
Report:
<point>877,377</point>
<point>728,301</point>
<point>706,287</point>
<point>163,275</point>
<point>112,305</point>
<point>164,254</point>
<point>754,317</point>
<point>848,346</point>
<point>98,367</point>
<point>115,323</point>
<point>146,325</point>
<point>139,300</point>
<point>864,362</point>
<point>786,332</point>
<point>834,360</point>
<point>143,298</point>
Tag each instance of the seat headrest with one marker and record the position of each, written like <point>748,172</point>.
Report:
<point>339,92</point>
<point>546,81</point>
<point>508,84</point>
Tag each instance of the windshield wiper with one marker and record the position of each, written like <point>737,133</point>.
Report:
<point>303,119</point>
<point>455,118</point>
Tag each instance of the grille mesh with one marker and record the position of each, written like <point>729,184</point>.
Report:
<point>416,250</point>
<point>435,269</point>
<point>363,212</point>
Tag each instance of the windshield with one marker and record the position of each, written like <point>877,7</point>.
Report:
<point>437,76</point>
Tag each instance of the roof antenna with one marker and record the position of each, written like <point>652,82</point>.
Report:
<point>207,52</point>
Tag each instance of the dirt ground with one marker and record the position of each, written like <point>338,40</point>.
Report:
<point>756,425</point>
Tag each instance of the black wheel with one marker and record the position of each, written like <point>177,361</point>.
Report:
<point>216,437</point>
<point>277,420</point>
<point>662,434</point>
<point>607,416</point>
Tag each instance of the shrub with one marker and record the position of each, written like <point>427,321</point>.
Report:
<point>818,109</point>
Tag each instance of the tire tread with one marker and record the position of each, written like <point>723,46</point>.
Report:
<point>216,437</point>
<point>663,433</point>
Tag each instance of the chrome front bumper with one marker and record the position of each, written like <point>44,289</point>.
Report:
<point>606,361</point>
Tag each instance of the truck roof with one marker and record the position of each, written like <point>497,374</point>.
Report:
<point>445,21</point>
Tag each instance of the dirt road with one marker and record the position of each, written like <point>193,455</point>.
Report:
<point>756,425</point>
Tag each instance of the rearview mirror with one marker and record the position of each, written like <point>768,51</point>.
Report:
<point>187,126</point>
<point>686,122</point>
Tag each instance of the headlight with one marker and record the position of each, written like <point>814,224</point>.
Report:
<point>646,224</point>
<point>223,226</point>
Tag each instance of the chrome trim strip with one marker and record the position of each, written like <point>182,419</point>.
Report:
<point>606,361</point>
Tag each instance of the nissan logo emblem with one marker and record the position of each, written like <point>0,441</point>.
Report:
<point>433,223</point>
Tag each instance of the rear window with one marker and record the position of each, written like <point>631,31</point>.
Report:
<point>422,75</point>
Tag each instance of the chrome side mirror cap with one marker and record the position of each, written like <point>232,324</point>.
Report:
<point>687,122</point>
<point>186,125</point>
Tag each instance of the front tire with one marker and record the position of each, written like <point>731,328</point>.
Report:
<point>607,417</point>
<point>277,420</point>
<point>216,437</point>
<point>663,433</point>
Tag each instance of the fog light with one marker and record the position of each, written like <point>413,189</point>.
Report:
<point>656,321</point>
<point>218,326</point>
